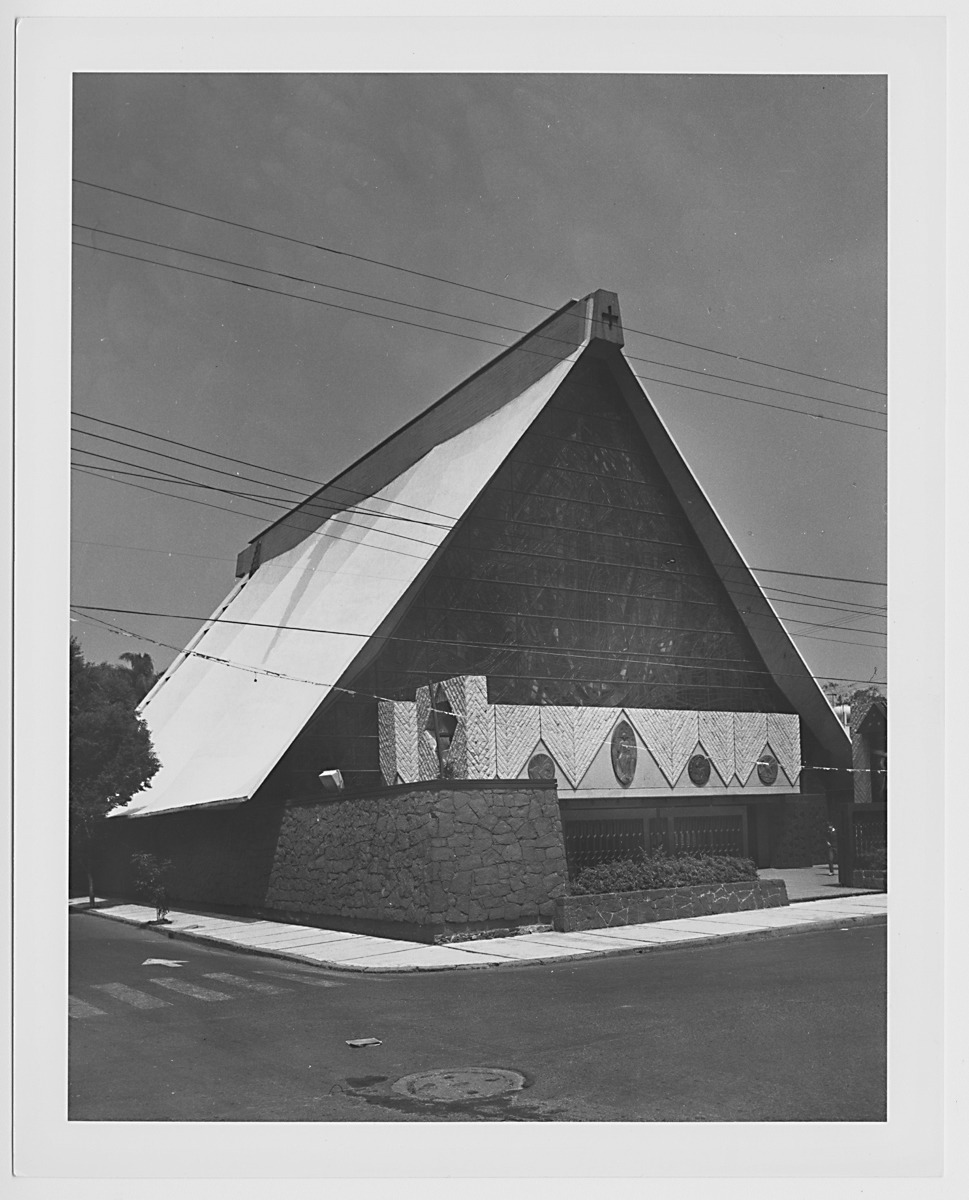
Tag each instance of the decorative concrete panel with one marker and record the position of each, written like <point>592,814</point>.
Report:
<point>558,734</point>
<point>784,735</point>
<point>655,727</point>
<point>468,696</point>
<point>397,722</point>
<point>592,727</point>
<point>517,733</point>
<point>388,741</point>
<point>716,734</point>
<point>496,741</point>
<point>428,766</point>
<point>684,735</point>
<point>749,735</point>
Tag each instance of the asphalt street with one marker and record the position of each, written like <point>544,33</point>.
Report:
<point>791,1028</point>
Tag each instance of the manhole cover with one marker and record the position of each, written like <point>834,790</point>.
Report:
<point>460,1083</point>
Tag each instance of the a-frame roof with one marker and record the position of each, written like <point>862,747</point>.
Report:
<point>318,584</point>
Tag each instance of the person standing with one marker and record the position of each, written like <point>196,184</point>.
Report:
<point>832,839</point>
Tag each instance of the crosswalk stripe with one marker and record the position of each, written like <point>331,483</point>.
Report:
<point>309,980</point>
<point>80,1008</point>
<point>253,986</point>
<point>130,996</point>
<point>191,989</point>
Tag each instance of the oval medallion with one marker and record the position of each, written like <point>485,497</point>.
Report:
<point>624,753</point>
<point>698,769</point>
<point>767,769</point>
<point>540,766</point>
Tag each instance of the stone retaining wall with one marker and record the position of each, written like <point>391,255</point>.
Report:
<point>575,913</point>
<point>423,861</point>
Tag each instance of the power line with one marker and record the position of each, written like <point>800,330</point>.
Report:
<point>303,502</point>
<point>166,477</point>
<point>639,657</point>
<point>465,336</point>
<point>456,283</point>
<point>158,476</point>
<point>348,691</point>
<point>417,508</point>
<point>242,462</point>
<point>222,508</point>
<point>832,604</point>
<point>452,315</point>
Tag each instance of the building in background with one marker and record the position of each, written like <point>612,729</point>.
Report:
<point>513,639</point>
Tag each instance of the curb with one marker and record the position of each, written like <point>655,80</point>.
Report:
<point>700,940</point>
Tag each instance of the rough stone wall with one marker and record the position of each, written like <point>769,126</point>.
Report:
<point>574,913</point>
<point>428,860</point>
<point>797,836</point>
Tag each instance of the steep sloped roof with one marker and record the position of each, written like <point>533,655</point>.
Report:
<point>319,583</point>
<point>325,579</point>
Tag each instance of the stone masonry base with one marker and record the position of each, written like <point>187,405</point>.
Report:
<point>576,913</point>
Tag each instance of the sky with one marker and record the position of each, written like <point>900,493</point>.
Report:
<point>742,214</point>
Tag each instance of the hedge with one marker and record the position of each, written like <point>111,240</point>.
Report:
<point>645,873</point>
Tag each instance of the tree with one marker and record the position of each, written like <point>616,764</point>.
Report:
<point>111,756</point>
<point>143,674</point>
<point>837,693</point>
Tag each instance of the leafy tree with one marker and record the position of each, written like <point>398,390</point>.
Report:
<point>837,693</point>
<point>111,756</point>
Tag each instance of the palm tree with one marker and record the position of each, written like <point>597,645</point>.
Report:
<point>143,674</point>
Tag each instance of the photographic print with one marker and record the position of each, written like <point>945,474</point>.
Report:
<point>478,688</point>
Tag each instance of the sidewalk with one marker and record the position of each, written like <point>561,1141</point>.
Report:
<point>360,952</point>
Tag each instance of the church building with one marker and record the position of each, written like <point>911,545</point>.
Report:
<point>512,640</point>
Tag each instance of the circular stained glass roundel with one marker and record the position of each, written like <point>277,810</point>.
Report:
<point>624,753</point>
<point>698,769</point>
<point>767,769</point>
<point>540,766</point>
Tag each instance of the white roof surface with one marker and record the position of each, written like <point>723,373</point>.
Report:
<point>218,730</point>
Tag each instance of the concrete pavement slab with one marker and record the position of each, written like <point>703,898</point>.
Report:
<point>427,958</point>
<point>583,940</point>
<point>355,948</point>
<point>521,949</point>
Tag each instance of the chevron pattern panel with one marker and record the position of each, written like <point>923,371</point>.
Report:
<point>427,764</point>
<point>517,733</point>
<point>592,727</point>
<point>397,725</point>
<point>405,738</point>
<point>685,733</point>
<point>716,736</point>
<point>784,735</point>
<point>558,733</point>
<point>474,750</point>
<point>749,735</point>
<point>387,732</point>
<point>656,729</point>
<point>496,741</point>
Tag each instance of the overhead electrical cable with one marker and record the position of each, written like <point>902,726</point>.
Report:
<point>187,653</point>
<point>275,470</point>
<point>303,503</point>
<point>319,246</point>
<point>767,387</point>
<point>159,476</point>
<point>536,586</point>
<point>639,657</point>
<point>242,462</point>
<point>258,287</point>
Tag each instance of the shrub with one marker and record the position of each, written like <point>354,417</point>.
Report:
<point>875,860</point>
<point>644,873</point>
<point>151,882</point>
